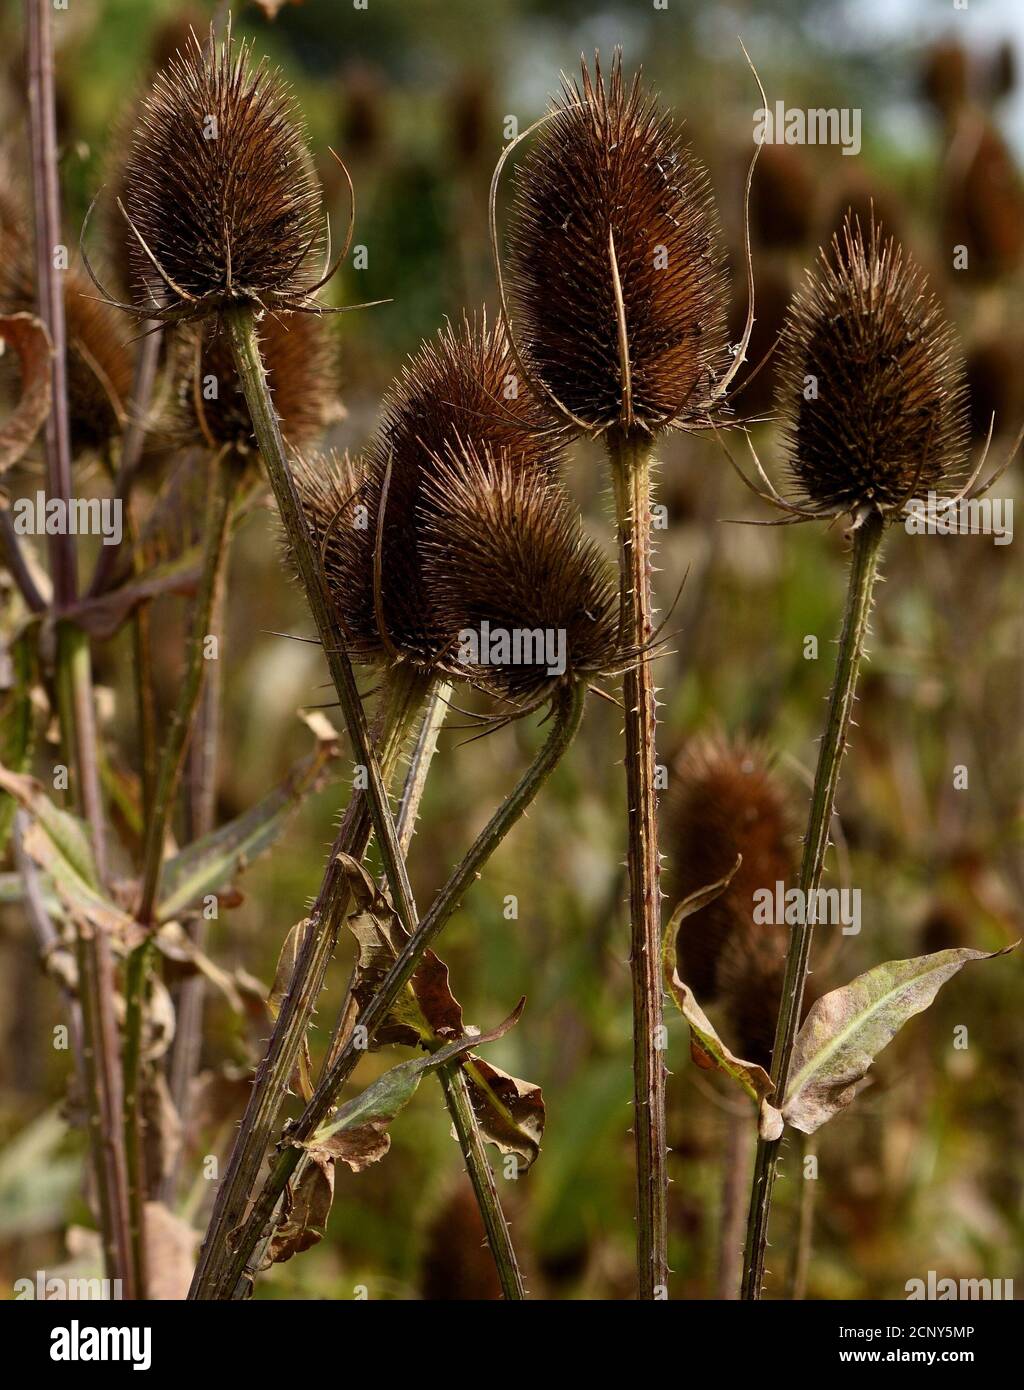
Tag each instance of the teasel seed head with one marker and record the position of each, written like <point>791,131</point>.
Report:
<point>505,558</point>
<point>333,490</point>
<point>461,388</point>
<point>616,282</point>
<point>725,800</point>
<point>222,201</point>
<point>100,364</point>
<point>300,360</point>
<point>871,382</point>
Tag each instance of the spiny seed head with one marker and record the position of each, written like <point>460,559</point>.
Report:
<point>333,491</point>
<point>521,599</point>
<point>220,188</point>
<point>99,360</point>
<point>725,801</point>
<point>298,354</point>
<point>871,384</point>
<point>610,167</point>
<point>460,389</point>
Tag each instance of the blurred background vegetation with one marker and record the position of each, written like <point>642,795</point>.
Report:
<point>924,1171</point>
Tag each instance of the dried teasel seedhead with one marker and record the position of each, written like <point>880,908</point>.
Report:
<point>944,80</point>
<point>609,171</point>
<point>100,362</point>
<point>724,801</point>
<point>333,490</point>
<point>984,204</point>
<point>871,383</point>
<point>461,388</point>
<point>782,202</point>
<point>300,360</point>
<point>521,599</point>
<point>221,197</point>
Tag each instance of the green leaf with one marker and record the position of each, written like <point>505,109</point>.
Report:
<point>707,1049</point>
<point>845,1031</point>
<point>369,1114</point>
<point>358,1135</point>
<point>212,862</point>
<point>57,842</point>
<point>509,1111</point>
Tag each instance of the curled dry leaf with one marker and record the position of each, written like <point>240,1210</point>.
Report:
<point>707,1049</point>
<point>846,1030</point>
<point>302,1081</point>
<point>358,1136</point>
<point>30,340</point>
<point>426,1014</point>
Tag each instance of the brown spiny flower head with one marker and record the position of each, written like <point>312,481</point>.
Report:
<point>220,189</point>
<point>608,170</point>
<point>871,383</point>
<point>333,489</point>
<point>521,598</point>
<point>461,388</point>
<point>782,201</point>
<point>299,357</point>
<point>984,203</point>
<point>944,79</point>
<point>724,801</point>
<point>100,363</point>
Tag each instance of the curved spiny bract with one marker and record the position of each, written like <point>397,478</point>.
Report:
<point>522,600</point>
<point>609,166</point>
<point>299,357</point>
<point>871,383</point>
<point>220,189</point>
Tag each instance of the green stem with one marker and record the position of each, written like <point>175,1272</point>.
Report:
<point>451,1078</point>
<point>567,719</point>
<point>458,1099</point>
<point>404,695</point>
<point>800,1262</point>
<point>171,761</point>
<point>241,325</point>
<point>172,756</point>
<point>630,457</point>
<point>863,573</point>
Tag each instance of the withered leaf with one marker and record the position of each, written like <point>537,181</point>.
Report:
<point>845,1030</point>
<point>171,1246</point>
<point>57,843</point>
<point>510,1112</point>
<point>307,1205</point>
<point>303,1078</point>
<point>707,1049</point>
<point>357,1136</point>
<point>28,337</point>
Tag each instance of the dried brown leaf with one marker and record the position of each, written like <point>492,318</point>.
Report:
<point>30,340</point>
